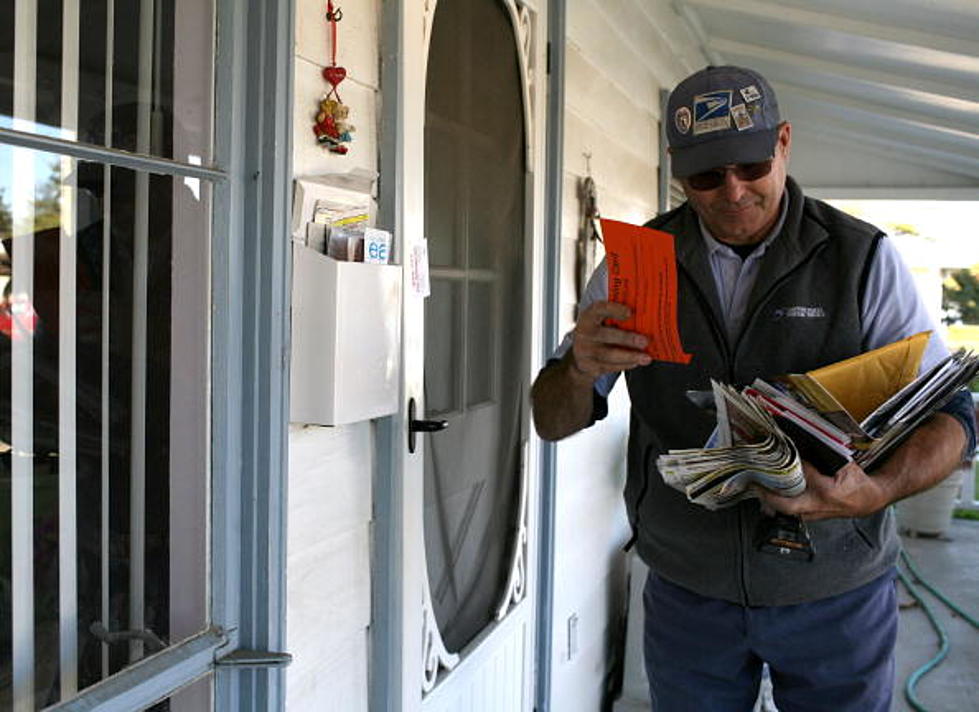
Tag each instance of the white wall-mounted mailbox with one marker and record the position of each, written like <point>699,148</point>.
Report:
<point>346,339</point>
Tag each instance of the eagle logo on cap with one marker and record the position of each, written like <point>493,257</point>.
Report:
<point>712,111</point>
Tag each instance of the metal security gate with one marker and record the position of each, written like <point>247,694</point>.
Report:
<point>141,419</point>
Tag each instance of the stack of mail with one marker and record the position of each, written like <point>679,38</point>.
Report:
<point>888,425</point>
<point>873,400</point>
<point>857,410</point>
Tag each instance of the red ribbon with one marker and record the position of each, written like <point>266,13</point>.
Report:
<point>331,16</point>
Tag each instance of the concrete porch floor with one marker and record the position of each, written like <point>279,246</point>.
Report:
<point>950,564</point>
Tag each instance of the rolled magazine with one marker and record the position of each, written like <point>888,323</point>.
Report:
<point>759,452</point>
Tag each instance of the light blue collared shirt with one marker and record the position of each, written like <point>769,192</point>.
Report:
<point>892,308</point>
<point>734,277</point>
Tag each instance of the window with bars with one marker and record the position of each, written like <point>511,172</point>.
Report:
<point>104,339</point>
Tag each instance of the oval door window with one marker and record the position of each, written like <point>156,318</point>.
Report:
<point>475,318</point>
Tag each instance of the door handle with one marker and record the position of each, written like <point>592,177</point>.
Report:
<point>421,426</point>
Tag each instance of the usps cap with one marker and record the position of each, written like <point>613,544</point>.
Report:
<point>721,115</point>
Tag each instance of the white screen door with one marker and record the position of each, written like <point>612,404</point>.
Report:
<point>469,193</point>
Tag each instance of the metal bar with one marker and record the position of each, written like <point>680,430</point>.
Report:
<point>225,365</point>
<point>156,83</point>
<point>664,155</point>
<point>105,407</point>
<point>387,654</point>
<point>244,658</point>
<point>67,450</point>
<point>110,14</point>
<point>22,456</point>
<point>461,337</point>
<point>22,364</point>
<point>107,154</point>
<point>137,446</point>
<point>836,192</point>
<point>557,40</point>
<point>251,300</point>
<point>461,274</point>
<point>271,326</point>
<point>189,417</point>
<point>152,678</point>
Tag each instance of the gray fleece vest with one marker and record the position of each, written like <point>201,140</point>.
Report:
<point>804,312</point>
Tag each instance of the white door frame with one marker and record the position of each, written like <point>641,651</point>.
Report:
<point>406,649</point>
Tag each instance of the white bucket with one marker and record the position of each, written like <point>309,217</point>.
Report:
<point>930,512</point>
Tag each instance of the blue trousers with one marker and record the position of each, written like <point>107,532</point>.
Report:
<point>831,655</point>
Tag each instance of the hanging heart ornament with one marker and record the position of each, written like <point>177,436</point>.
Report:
<point>332,128</point>
<point>334,75</point>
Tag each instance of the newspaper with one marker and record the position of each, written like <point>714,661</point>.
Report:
<point>758,453</point>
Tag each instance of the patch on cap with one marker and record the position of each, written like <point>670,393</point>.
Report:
<point>751,93</point>
<point>712,111</point>
<point>682,119</point>
<point>739,112</point>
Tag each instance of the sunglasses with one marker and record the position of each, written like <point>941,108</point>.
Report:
<point>714,178</point>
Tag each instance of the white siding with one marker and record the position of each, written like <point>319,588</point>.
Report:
<point>331,469</point>
<point>329,583</point>
<point>620,54</point>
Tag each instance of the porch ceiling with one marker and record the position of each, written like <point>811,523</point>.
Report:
<point>882,93</point>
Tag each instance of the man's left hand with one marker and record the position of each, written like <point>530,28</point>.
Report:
<point>851,492</point>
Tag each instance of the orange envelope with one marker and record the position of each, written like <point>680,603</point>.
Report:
<point>642,275</point>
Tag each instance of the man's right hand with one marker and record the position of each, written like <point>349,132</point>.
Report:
<point>598,348</point>
<point>563,395</point>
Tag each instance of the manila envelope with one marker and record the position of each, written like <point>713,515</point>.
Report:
<point>864,382</point>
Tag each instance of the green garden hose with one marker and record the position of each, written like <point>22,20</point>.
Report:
<point>909,691</point>
<point>935,592</point>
